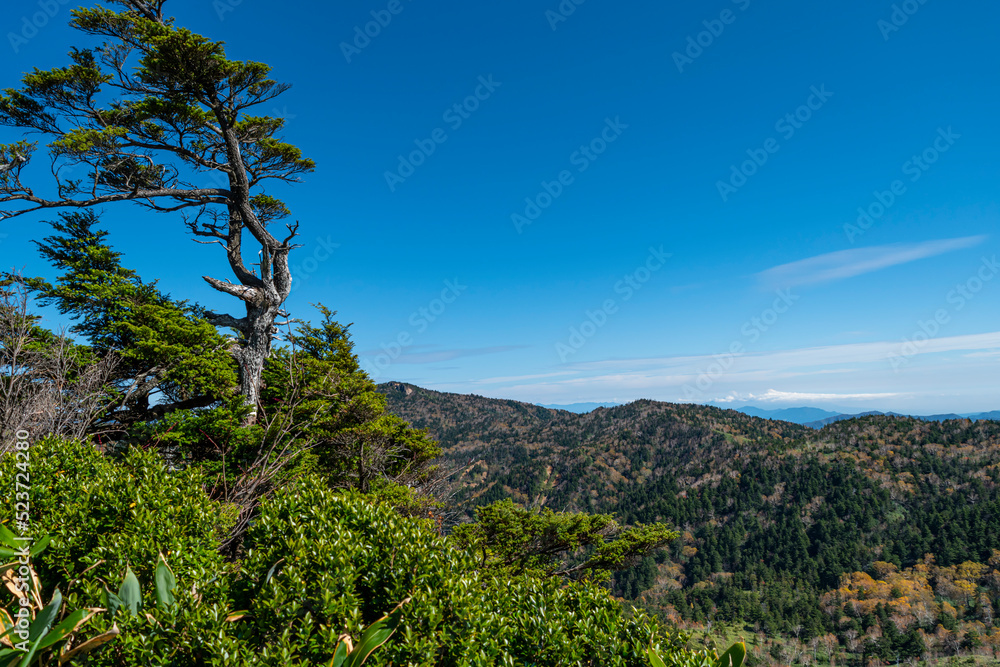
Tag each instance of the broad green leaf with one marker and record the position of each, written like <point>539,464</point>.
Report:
<point>69,625</point>
<point>40,626</point>
<point>733,657</point>
<point>9,656</point>
<point>113,602</point>
<point>30,655</point>
<point>374,636</point>
<point>654,659</point>
<point>40,546</point>
<point>129,593</point>
<point>165,584</point>
<point>9,539</point>
<point>339,655</point>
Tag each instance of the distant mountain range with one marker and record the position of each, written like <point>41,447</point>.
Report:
<point>818,418</point>
<point>794,415</point>
<point>820,423</point>
<point>806,416</point>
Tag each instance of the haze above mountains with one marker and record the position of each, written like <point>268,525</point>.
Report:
<point>806,416</point>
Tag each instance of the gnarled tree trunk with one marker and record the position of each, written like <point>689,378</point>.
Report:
<point>141,149</point>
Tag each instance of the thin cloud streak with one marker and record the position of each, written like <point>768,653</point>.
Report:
<point>858,261</point>
<point>519,378</point>
<point>807,357</point>
<point>775,396</point>
<point>829,373</point>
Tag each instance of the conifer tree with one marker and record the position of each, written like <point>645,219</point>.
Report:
<point>166,357</point>
<point>160,116</point>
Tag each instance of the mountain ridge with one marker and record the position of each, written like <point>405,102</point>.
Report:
<point>772,515</point>
<point>992,415</point>
<point>578,407</point>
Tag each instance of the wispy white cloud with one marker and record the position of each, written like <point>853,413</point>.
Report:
<point>800,358</point>
<point>857,261</point>
<point>984,353</point>
<point>829,375</point>
<point>775,396</point>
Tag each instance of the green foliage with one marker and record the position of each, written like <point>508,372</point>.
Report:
<point>319,568</point>
<point>320,565</point>
<point>30,632</point>
<point>181,629</point>
<point>170,91</point>
<point>112,521</point>
<point>321,415</point>
<point>213,439</point>
<point>376,634</point>
<point>185,633</point>
<point>316,383</point>
<point>166,582</point>
<point>734,656</point>
<point>129,596</point>
<point>519,540</point>
<point>104,516</point>
<point>321,412</point>
<point>162,345</point>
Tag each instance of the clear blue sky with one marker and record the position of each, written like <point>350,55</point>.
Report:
<point>644,128</point>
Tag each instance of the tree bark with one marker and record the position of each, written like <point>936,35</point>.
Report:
<point>252,354</point>
<point>262,293</point>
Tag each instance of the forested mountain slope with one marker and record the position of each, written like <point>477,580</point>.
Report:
<point>579,461</point>
<point>773,515</point>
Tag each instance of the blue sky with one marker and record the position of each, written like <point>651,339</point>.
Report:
<point>635,200</point>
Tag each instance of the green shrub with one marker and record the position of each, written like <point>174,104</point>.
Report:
<point>515,540</point>
<point>107,514</point>
<point>320,564</point>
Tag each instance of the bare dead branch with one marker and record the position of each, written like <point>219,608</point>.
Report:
<point>45,389</point>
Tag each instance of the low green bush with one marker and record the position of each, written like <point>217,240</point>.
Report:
<point>105,514</point>
<point>320,564</point>
<point>320,568</point>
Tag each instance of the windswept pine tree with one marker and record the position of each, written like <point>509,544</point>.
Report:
<point>160,116</point>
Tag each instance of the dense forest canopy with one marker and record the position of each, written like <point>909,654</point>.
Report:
<point>778,522</point>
